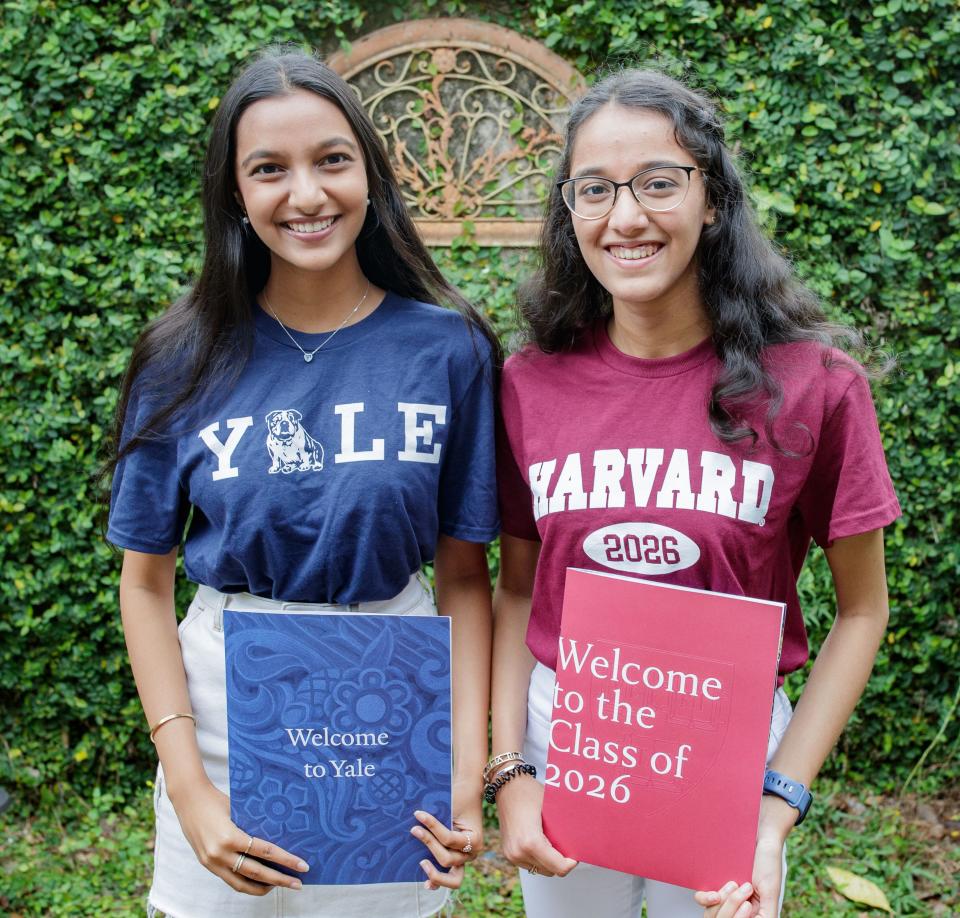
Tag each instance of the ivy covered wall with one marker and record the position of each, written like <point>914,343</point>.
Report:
<point>846,118</point>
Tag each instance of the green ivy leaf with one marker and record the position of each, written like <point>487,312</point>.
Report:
<point>929,208</point>
<point>895,247</point>
<point>766,201</point>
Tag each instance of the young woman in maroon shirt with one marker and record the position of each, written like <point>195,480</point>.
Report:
<point>678,375</point>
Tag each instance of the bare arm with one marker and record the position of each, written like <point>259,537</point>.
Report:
<point>150,629</point>
<point>513,661</point>
<point>463,593</point>
<point>519,802</point>
<point>842,667</point>
<point>836,683</point>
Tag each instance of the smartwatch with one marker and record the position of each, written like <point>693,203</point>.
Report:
<point>795,793</point>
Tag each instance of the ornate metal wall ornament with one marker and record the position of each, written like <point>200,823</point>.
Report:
<point>473,116</point>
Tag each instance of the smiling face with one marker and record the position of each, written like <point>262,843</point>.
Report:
<point>645,260</point>
<point>302,182</point>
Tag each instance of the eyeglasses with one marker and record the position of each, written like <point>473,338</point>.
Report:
<point>659,189</point>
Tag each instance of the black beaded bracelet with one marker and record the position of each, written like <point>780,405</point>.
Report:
<point>522,768</point>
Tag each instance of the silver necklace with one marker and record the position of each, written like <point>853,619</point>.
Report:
<point>308,355</point>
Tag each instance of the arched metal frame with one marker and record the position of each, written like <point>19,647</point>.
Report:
<point>473,116</point>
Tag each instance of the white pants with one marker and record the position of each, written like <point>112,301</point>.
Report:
<point>182,886</point>
<point>596,892</point>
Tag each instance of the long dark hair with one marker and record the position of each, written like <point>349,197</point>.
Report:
<point>752,297</point>
<point>206,336</point>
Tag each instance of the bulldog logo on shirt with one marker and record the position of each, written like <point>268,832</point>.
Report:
<point>291,448</point>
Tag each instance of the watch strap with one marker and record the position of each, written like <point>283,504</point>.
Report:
<point>795,793</point>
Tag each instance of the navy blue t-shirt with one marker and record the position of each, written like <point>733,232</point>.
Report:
<point>325,481</point>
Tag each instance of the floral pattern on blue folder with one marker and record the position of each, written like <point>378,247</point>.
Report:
<point>339,728</point>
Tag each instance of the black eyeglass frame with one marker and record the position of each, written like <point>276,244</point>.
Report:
<point>628,184</point>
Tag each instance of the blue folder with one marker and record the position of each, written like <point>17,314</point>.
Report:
<point>338,729</point>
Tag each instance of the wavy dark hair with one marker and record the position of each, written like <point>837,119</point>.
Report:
<point>205,337</point>
<point>752,297</point>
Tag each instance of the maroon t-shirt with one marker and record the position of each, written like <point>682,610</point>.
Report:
<point>609,460</point>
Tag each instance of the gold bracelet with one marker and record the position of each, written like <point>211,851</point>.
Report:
<point>166,720</point>
<point>491,766</point>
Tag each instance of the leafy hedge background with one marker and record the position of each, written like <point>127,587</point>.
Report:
<point>845,114</point>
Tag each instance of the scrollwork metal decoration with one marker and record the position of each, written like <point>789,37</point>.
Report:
<point>472,115</point>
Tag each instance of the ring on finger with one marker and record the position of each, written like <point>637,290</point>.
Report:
<point>246,850</point>
<point>468,847</point>
<point>534,870</point>
<point>239,864</point>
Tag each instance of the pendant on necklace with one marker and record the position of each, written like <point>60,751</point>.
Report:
<point>307,358</point>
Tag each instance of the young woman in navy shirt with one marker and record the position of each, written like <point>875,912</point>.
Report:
<point>312,430</point>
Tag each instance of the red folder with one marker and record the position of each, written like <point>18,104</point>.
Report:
<point>661,717</point>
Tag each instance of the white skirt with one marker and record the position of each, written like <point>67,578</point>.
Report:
<point>182,886</point>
